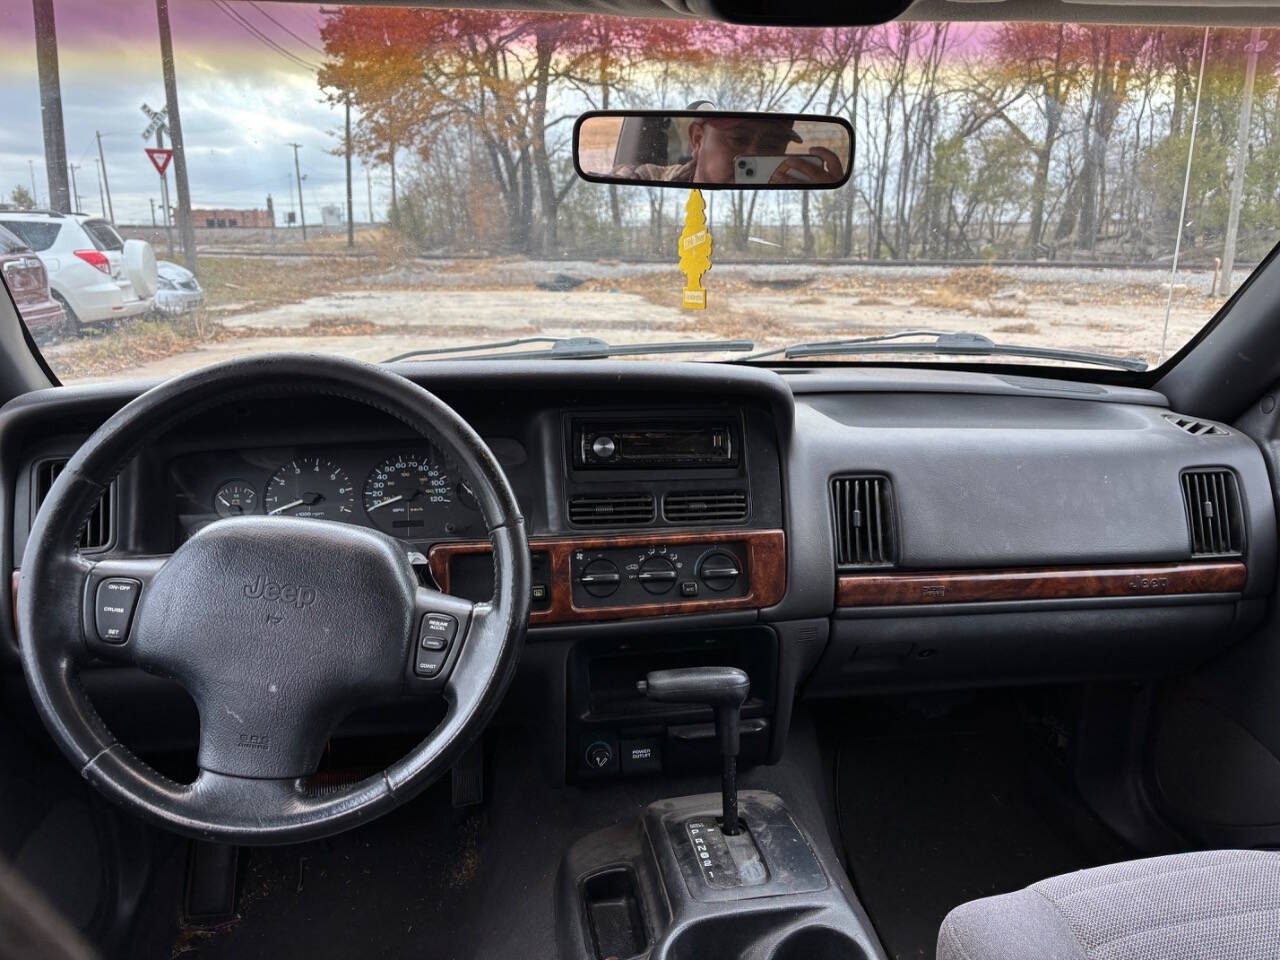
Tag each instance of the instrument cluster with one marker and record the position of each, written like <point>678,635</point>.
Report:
<point>412,492</point>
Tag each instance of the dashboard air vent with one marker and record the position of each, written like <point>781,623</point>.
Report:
<point>1197,428</point>
<point>1215,518</point>
<point>705,506</point>
<point>864,521</point>
<point>96,532</point>
<point>611,509</point>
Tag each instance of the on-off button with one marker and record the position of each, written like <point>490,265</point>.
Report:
<point>603,447</point>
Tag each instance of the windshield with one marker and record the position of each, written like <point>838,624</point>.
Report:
<point>375,181</point>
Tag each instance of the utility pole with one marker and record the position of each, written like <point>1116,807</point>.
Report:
<point>164,197</point>
<point>55,141</point>
<point>153,211</point>
<point>75,191</point>
<point>297,172</point>
<point>1255,45</point>
<point>368,185</point>
<point>351,219</point>
<point>102,164</point>
<point>35,196</point>
<point>174,123</point>
<point>102,200</point>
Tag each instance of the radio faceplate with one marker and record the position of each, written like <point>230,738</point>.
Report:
<point>639,445</point>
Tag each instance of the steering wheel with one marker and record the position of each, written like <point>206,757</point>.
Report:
<point>277,627</point>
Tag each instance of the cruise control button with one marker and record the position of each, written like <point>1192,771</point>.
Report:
<point>429,662</point>
<point>433,643</point>
<point>438,626</point>
<point>113,608</point>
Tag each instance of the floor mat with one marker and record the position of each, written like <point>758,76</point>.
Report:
<point>399,886</point>
<point>932,818</point>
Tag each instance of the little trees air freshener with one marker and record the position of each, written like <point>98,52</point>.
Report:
<point>695,251</point>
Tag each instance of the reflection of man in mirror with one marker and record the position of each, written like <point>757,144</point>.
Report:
<point>717,142</point>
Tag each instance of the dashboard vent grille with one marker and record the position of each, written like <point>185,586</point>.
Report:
<point>1215,518</point>
<point>705,506</point>
<point>1197,428</point>
<point>96,533</point>
<point>611,509</point>
<point>864,521</point>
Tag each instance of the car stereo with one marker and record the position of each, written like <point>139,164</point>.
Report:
<point>639,445</point>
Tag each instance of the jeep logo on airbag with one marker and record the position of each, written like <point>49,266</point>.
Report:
<point>264,589</point>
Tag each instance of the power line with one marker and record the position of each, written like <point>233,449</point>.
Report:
<point>261,37</point>
<point>305,43</point>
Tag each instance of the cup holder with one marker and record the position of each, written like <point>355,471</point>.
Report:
<point>765,935</point>
<point>816,943</point>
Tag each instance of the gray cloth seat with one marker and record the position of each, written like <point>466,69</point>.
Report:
<point>1215,905</point>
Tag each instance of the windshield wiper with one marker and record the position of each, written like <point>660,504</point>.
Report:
<point>576,348</point>
<point>943,342</point>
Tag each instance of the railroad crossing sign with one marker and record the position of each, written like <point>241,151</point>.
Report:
<point>157,118</point>
<point>160,157</point>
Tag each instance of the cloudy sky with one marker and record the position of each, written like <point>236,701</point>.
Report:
<point>242,102</point>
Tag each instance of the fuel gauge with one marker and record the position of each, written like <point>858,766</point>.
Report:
<point>235,498</point>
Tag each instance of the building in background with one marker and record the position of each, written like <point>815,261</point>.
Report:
<point>232,218</point>
<point>332,215</point>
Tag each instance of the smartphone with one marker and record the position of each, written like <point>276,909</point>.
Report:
<point>758,170</point>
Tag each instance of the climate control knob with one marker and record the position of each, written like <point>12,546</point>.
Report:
<point>719,570</point>
<point>600,578</point>
<point>657,574</point>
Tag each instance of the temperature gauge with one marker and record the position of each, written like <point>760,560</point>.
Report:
<point>235,498</point>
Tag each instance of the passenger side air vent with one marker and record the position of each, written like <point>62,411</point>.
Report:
<point>1215,517</point>
<point>864,518</point>
<point>1197,428</point>
<point>705,506</point>
<point>96,532</point>
<point>611,509</point>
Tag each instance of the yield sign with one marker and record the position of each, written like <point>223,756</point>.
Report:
<point>160,157</point>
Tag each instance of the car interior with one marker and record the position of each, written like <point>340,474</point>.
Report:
<point>788,659</point>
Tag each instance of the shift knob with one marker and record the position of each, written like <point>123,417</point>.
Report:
<point>724,689</point>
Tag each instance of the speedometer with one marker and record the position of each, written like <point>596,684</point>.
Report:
<point>408,494</point>
<point>310,487</point>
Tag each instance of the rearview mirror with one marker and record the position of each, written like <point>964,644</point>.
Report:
<point>710,149</point>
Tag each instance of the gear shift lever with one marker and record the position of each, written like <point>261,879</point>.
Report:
<point>724,689</point>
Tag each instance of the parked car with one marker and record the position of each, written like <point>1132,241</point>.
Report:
<point>177,289</point>
<point>94,273</point>
<point>28,283</point>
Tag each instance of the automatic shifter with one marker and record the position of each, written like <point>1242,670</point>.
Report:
<point>724,689</point>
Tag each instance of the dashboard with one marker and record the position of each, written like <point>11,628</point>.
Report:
<point>833,532</point>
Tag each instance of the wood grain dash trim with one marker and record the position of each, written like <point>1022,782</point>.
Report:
<point>1039,583</point>
<point>766,570</point>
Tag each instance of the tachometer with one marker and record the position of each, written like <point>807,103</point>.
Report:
<point>406,494</point>
<point>310,487</point>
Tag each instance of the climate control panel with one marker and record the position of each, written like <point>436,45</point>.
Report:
<point>658,572</point>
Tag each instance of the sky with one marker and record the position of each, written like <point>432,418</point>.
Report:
<point>242,102</point>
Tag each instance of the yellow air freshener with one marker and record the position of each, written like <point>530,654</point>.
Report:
<point>695,251</point>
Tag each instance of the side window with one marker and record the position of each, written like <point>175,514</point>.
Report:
<point>10,243</point>
<point>104,235</point>
<point>37,234</point>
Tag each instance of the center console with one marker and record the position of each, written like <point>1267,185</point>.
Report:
<point>705,876</point>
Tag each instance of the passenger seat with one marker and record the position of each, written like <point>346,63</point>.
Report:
<point>1216,905</point>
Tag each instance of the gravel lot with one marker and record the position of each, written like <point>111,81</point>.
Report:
<point>434,303</point>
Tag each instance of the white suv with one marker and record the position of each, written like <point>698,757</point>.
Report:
<point>93,272</point>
